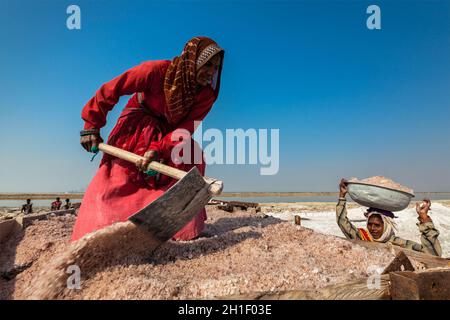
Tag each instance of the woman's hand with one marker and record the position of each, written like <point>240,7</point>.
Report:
<point>149,156</point>
<point>343,188</point>
<point>90,141</point>
<point>422,210</point>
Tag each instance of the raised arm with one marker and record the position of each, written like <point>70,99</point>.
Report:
<point>429,238</point>
<point>349,230</point>
<point>428,233</point>
<point>133,80</point>
<point>95,111</point>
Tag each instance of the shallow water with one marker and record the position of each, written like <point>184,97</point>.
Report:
<point>265,199</point>
<point>419,196</point>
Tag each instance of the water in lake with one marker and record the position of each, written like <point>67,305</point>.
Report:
<point>419,196</point>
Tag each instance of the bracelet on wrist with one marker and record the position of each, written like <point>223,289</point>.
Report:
<point>88,132</point>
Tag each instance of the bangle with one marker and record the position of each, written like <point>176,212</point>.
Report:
<point>88,132</point>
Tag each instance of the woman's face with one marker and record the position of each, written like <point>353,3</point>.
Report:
<point>206,73</point>
<point>375,226</point>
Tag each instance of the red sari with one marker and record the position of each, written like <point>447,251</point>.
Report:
<point>118,189</point>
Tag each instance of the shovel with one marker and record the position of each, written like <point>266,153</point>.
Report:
<point>168,214</point>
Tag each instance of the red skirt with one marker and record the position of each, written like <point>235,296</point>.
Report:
<point>118,189</point>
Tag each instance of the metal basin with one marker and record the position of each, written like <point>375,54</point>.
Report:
<point>369,195</point>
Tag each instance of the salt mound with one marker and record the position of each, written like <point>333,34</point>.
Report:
<point>243,253</point>
<point>120,243</point>
<point>383,182</point>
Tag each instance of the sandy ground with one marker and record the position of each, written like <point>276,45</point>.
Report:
<point>321,217</point>
<point>242,252</point>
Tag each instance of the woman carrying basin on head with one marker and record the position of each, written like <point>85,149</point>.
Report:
<point>381,226</point>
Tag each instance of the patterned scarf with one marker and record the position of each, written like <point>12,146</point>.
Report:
<point>180,83</point>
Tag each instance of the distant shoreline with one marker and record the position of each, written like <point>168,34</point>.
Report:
<point>46,196</point>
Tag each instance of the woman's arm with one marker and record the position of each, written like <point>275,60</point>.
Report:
<point>429,234</point>
<point>429,238</point>
<point>133,80</point>
<point>95,111</point>
<point>349,230</point>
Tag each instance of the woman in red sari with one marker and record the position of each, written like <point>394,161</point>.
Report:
<point>167,95</point>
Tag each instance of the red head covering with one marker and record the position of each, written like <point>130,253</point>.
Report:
<point>180,82</point>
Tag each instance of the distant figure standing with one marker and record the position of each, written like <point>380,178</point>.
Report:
<point>68,205</point>
<point>56,205</point>
<point>27,208</point>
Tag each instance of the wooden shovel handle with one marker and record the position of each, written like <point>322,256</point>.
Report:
<point>216,186</point>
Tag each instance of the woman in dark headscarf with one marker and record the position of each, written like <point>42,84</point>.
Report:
<point>167,95</point>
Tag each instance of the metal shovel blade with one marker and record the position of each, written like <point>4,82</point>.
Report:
<point>168,214</point>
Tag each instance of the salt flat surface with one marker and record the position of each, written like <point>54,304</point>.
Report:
<point>244,252</point>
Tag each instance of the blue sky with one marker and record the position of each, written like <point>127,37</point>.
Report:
<point>348,101</point>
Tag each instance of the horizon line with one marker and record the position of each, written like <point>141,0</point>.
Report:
<point>79,195</point>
